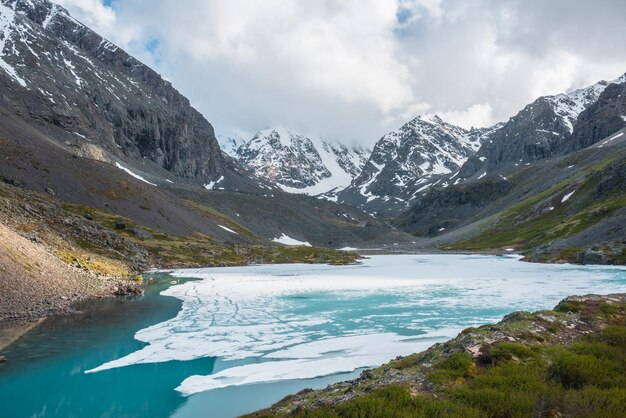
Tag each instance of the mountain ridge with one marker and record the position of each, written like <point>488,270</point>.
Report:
<point>298,163</point>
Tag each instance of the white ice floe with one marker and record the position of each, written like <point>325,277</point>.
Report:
<point>286,240</point>
<point>318,358</point>
<point>137,176</point>
<point>228,229</point>
<point>301,321</point>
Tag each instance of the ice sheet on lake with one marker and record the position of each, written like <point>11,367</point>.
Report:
<point>296,321</point>
<point>315,359</point>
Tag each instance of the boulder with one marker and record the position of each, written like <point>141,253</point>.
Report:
<point>592,257</point>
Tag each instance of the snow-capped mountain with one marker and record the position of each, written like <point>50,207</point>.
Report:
<point>301,164</point>
<point>540,130</point>
<point>406,161</point>
<point>230,143</point>
<point>100,102</point>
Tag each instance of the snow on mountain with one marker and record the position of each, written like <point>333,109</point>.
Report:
<point>301,164</point>
<point>230,143</point>
<point>102,102</point>
<point>540,130</point>
<point>569,105</point>
<point>406,161</point>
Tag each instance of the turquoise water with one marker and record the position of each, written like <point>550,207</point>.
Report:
<point>242,338</point>
<point>45,375</point>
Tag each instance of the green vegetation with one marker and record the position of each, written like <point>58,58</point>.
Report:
<point>96,264</point>
<point>586,379</point>
<point>531,222</point>
<point>568,362</point>
<point>194,250</point>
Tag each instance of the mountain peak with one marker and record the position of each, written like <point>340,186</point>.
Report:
<point>299,163</point>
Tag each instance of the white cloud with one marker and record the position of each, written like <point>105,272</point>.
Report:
<point>355,69</point>
<point>102,19</point>
<point>477,116</point>
<point>91,12</point>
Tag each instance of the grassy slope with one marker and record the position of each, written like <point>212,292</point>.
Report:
<point>530,222</point>
<point>565,362</point>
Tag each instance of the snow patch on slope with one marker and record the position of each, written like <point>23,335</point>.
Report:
<point>7,21</point>
<point>137,176</point>
<point>287,240</point>
<point>228,229</point>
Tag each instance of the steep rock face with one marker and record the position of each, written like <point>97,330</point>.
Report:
<point>603,118</point>
<point>299,164</point>
<point>60,75</point>
<point>540,130</point>
<point>406,161</point>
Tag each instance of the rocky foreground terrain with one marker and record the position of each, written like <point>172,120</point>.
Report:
<point>566,362</point>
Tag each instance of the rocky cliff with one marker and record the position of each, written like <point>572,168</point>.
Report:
<point>59,75</point>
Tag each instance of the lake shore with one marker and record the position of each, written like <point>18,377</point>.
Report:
<point>222,324</point>
<point>10,331</point>
<point>542,342</point>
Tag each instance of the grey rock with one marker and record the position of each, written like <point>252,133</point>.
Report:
<point>592,257</point>
<point>601,119</point>
<point>405,162</point>
<point>141,234</point>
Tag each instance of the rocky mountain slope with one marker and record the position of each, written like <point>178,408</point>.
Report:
<point>563,362</point>
<point>297,163</point>
<point>427,152</point>
<point>567,206</point>
<point>407,161</point>
<point>82,118</point>
<point>543,129</point>
<point>92,97</point>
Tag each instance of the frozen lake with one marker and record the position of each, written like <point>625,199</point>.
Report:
<point>305,321</point>
<point>242,338</point>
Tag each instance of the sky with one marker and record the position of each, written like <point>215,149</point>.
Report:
<point>352,70</point>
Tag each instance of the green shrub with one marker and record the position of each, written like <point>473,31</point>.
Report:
<point>394,402</point>
<point>575,371</point>
<point>508,351</point>
<point>454,368</point>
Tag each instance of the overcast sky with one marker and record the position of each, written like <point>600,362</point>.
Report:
<point>355,69</point>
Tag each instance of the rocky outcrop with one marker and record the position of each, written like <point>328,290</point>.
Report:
<point>602,119</point>
<point>592,257</point>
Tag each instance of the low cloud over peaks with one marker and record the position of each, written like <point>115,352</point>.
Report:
<point>355,69</point>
